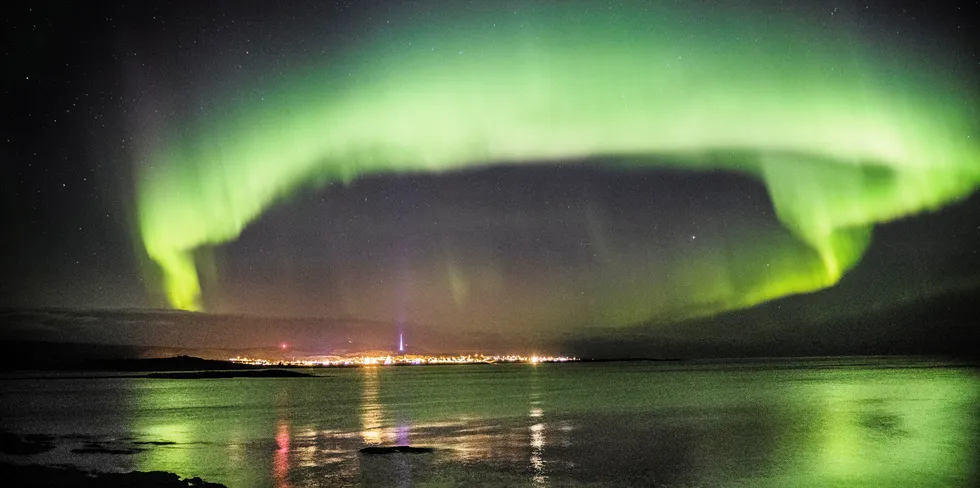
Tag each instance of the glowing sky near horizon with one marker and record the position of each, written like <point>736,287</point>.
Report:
<point>844,134</point>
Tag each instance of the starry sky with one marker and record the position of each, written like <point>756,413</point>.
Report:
<point>698,174</point>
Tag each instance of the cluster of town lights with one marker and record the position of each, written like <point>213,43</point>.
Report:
<point>401,360</point>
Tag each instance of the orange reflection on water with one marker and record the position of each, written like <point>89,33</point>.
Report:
<point>280,462</point>
<point>371,412</point>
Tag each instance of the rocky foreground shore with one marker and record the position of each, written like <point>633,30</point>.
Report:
<point>56,476</point>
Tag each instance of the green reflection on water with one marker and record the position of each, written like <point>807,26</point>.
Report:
<point>603,425</point>
<point>896,428</point>
<point>217,428</point>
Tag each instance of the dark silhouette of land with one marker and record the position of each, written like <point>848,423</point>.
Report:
<point>46,476</point>
<point>262,373</point>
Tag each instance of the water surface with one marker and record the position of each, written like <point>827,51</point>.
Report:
<point>827,422</point>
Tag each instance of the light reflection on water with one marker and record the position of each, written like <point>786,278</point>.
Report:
<point>280,464</point>
<point>537,429</point>
<point>371,409</point>
<point>623,424</point>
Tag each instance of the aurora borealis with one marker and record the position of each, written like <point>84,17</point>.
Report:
<point>569,172</point>
<point>844,135</point>
<point>755,225</point>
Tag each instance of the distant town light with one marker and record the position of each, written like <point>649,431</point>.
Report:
<point>403,359</point>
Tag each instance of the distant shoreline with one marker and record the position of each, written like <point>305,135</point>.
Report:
<point>174,375</point>
<point>187,367</point>
<point>261,373</point>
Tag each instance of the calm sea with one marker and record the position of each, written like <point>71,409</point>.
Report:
<point>829,422</point>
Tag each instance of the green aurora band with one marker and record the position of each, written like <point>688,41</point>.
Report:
<point>844,135</point>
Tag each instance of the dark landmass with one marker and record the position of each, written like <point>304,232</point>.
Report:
<point>396,449</point>
<point>18,354</point>
<point>945,324</point>
<point>177,363</point>
<point>262,373</point>
<point>47,476</point>
<point>179,367</point>
<point>11,443</point>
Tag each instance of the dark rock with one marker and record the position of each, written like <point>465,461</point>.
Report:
<point>396,449</point>
<point>32,476</point>
<point>11,443</point>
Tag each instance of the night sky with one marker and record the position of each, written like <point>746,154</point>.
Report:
<point>615,178</point>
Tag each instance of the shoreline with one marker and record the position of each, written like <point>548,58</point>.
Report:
<point>37,475</point>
